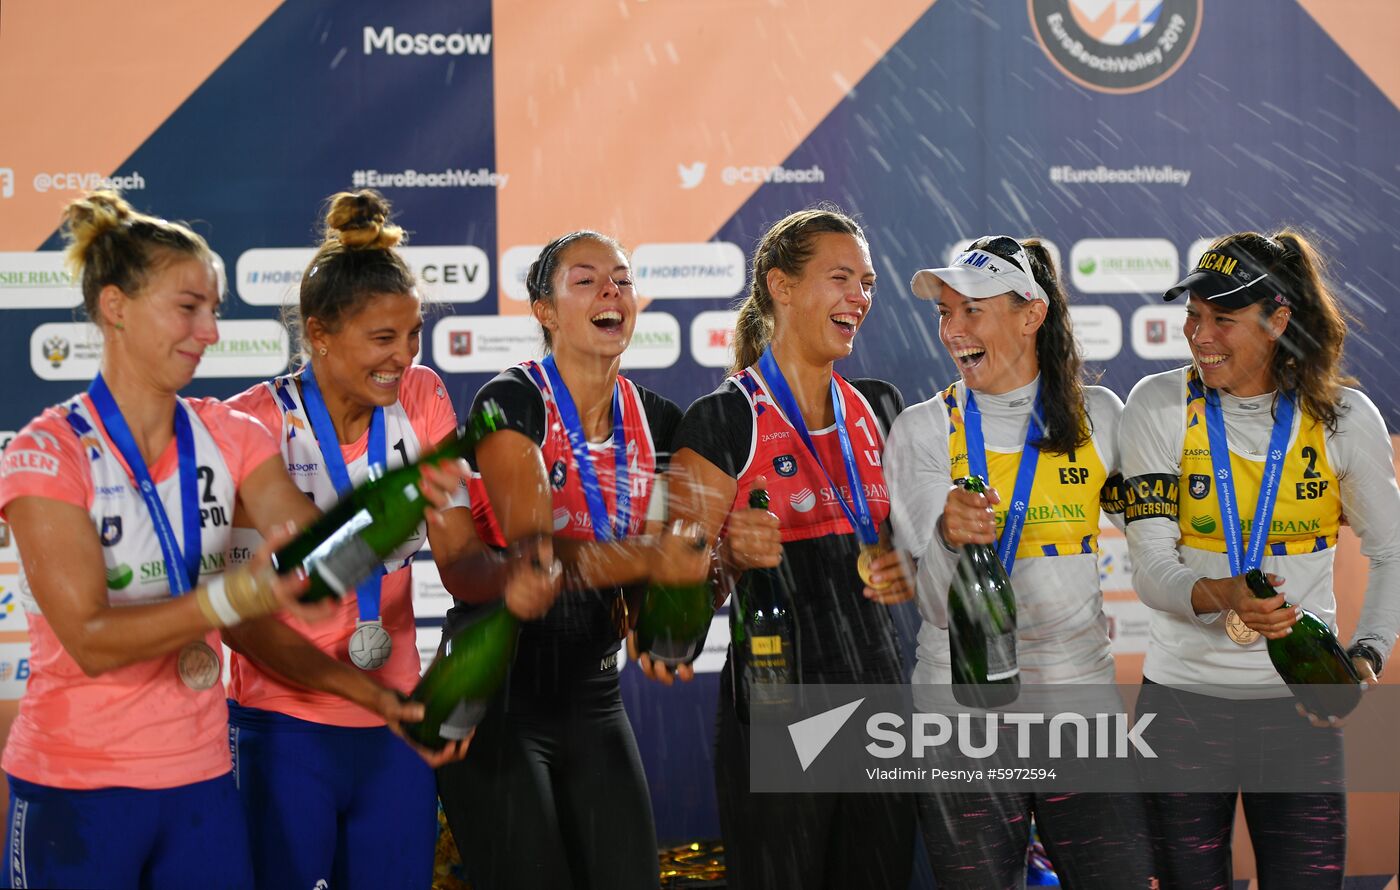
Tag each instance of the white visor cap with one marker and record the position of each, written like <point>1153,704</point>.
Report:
<point>977,275</point>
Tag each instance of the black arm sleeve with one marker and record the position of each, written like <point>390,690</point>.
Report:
<point>519,399</point>
<point>884,397</point>
<point>719,428</point>
<point>663,416</point>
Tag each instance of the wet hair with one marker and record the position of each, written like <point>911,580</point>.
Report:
<point>355,262</point>
<point>539,280</point>
<point>787,246</point>
<point>1308,358</point>
<point>109,242</point>
<point>1064,424</point>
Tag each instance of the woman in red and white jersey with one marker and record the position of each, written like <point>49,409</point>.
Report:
<point>121,500</point>
<point>552,792</point>
<point>332,795</point>
<point>785,421</point>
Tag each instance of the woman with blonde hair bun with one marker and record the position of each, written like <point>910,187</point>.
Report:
<point>118,499</point>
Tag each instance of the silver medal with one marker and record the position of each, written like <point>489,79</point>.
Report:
<point>198,666</point>
<point>370,645</point>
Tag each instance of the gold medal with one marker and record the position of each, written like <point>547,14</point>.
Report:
<point>868,554</point>
<point>198,666</point>
<point>1240,632</point>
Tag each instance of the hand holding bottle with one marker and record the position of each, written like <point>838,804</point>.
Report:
<point>533,580</point>
<point>753,538</point>
<point>675,558</point>
<point>893,572</point>
<point>287,589</point>
<point>968,518</point>
<point>396,711</point>
<point>439,482</point>
<point>654,668</point>
<point>1273,617</point>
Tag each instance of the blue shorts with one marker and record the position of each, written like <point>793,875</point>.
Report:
<point>189,836</point>
<point>348,806</point>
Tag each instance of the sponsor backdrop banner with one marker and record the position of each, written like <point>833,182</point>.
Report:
<point>1128,134</point>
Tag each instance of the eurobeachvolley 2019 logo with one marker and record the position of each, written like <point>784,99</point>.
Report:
<point>1114,46</point>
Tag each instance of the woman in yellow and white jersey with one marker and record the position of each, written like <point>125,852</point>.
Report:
<point>1261,426</point>
<point>1021,416</point>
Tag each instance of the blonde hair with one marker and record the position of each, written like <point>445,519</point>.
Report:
<point>110,242</point>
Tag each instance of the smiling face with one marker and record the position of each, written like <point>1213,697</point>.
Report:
<point>366,355</point>
<point>1234,350</point>
<point>593,304</point>
<point>160,335</point>
<point>828,301</point>
<point>992,341</point>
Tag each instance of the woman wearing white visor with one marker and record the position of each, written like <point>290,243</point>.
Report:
<point>1021,417</point>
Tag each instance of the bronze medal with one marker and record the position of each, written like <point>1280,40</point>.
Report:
<point>620,615</point>
<point>1240,632</point>
<point>868,554</point>
<point>198,666</point>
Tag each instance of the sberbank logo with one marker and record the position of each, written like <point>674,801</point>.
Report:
<point>119,576</point>
<point>1123,265</point>
<point>1203,524</point>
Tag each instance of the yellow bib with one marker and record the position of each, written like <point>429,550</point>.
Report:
<point>1307,512</point>
<point>1063,515</point>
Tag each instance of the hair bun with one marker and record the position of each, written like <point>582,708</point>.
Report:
<point>89,218</point>
<point>360,221</point>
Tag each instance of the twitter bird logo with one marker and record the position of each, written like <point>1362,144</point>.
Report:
<point>692,175</point>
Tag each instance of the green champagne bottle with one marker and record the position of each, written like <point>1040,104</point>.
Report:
<point>674,619</point>
<point>982,625</point>
<point>342,547</point>
<point>762,632</point>
<point>458,686</point>
<point>1311,660</point>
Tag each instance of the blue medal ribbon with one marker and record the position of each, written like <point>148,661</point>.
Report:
<point>1242,560</point>
<point>858,511</point>
<point>181,570</point>
<point>603,528</point>
<point>1010,539</point>
<point>367,593</point>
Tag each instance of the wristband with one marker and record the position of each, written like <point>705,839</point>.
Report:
<point>250,593</point>
<point>236,596</point>
<point>1363,650</point>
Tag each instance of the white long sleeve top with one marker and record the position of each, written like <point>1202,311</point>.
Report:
<point>1062,634</point>
<point>1186,648</point>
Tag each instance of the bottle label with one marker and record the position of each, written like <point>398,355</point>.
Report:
<point>766,646</point>
<point>344,559</point>
<point>1001,657</point>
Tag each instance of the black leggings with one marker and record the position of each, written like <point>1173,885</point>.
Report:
<point>978,841</point>
<point>1299,838</point>
<point>553,795</point>
<point>812,841</point>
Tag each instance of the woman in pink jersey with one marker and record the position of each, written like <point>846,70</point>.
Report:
<point>332,796</point>
<point>119,499</point>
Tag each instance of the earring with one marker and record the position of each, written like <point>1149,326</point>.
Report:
<point>119,326</point>
<point>322,350</point>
